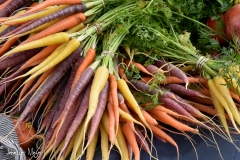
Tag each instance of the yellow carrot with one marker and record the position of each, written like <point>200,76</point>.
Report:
<point>70,47</point>
<point>105,122</point>
<point>99,81</point>
<point>124,89</point>
<point>57,38</point>
<point>92,147</point>
<point>122,144</point>
<point>221,112</point>
<point>221,99</point>
<point>220,84</point>
<point>37,15</point>
<point>104,142</point>
<point>75,28</point>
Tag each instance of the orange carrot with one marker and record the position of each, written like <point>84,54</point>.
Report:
<point>137,65</point>
<point>234,96</point>
<point>88,59</point>
<point>7,45</point>
<point>4,4</point>
<point>113,92</point>
<point>25,88</point>
<point>111,128</point>
<point>173,79</point>
<point>156,130</point>
<point>149,118</point>
<point>131,138</point>
<point>122,74</point>
<point>52,3</point>
<point>42,54</point>
<point>165,118</point>
<point>59,26</point>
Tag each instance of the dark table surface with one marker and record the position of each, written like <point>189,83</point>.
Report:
<point>186,151</point>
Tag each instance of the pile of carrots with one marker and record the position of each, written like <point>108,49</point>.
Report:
<point>64,65</point>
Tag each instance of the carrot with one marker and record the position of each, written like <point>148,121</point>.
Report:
<point>165,118</point>
<point>131,138</point>
<point>221,113</point>
<point>42,54</point>
<point>12,6</point>
<point>81,84</point>
<point>71,46</point>
<point>60,26</point>
<point>156,130</point>
<point>122,75</point>
<point>173,105</point>
<point>181,90</point>
<point>25,18</point>
<point>3,5</point>
<point>111,131</point>
<point>76,28</point>
<point>53,3</point>
<point>222,88</point>
<point>122,144</point>
<point>149,119</point>
<point>137,65</point>
<point>7,45</point>
<point>46,41</point>
<point>18,58</point>
<point>173,70</point>
<point>104,142</point>
<point>154,69</point>
<point>88,59</point>
<point>103,96</point>
<point>58,72</point>
<point>64,129</point>
<point>113,92</point>
<point>92,147</point>
<point>59,14</point>
<point>141,140</point>
<point>123,87</point>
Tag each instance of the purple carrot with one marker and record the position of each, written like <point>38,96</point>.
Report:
<point>182,91</point>
<point>62,13</point>
<point>67,89</point>
<point>99,111</point>
<point>12,6</point>
<point>18,58</point>
<point>78,119</point>
<point>173,105</point>
<point>65,126</point>
<point>143,87</point>
<point>82,82</point>
<point>173,70</point>
<point>63,99</point>
<point>188,107</point>
<point>8,29</point>
<point>19,28</point>
<point>57,96</point>
<point>57,74</point>
<point>152,68</point>
<point>2,1</point>
<point>141,140</point>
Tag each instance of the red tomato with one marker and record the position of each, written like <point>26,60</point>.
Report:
<point>213,24</point>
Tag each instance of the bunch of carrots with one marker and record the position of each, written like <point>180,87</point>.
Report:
<point>68,66</point>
